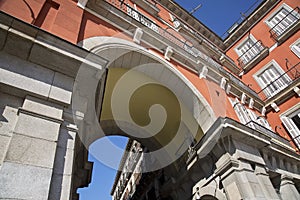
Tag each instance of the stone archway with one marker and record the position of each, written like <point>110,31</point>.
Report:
<point>137,65</point>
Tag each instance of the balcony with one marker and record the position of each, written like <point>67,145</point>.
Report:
<point>284,82</point>
<point>287,26</point>
<point>157,35</point>
<point>147,5</point>
<point>253,56</point>
<point>266,131</point>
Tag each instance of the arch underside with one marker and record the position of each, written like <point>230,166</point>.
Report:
<point>146,99</point>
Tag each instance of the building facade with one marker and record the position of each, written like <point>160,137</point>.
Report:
<point>207,118</point>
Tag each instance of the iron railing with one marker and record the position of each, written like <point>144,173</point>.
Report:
<point>251,53</point>
<point>166,33</point>
<point>282,82</point>
<point>285,23</point>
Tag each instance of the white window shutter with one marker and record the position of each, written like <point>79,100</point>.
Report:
<point>252,115</point>
<point>242,113</point>
<point>262,121</point>
<point>292,129</point>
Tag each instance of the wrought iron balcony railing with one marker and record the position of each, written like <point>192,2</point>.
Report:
<point>285,24</point>
<point>251,54</point>
<point>282,82</point>
<point>177,40</point>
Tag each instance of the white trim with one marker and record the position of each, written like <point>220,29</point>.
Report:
<point>263,111</point>
<point>295,47</point>
<point>82,3</point>
<point>297,91</point>
<point>241,111</point>
<point>273,47</point>
<point>251,103</point>
<point>228,88</point>
<point>203,72</point>
<point>243,98</point>
<point>275,107</point>
<point>223,83</point>
<point>168,53</point>
<point>137,36</point>
<point>292,111</point>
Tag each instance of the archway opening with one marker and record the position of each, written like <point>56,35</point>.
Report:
<point>103,174</point>
<point>143,97</point>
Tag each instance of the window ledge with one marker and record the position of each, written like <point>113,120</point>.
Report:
<point>283,95</point>
<point>264,53</point>
<point>229,64</point>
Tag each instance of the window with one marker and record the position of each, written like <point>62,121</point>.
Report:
<point>249,118</point>
<point>295,47</point>
<point>241,112</point>
<point>291,121</point>
<point>248,50</point>
<point>282,20</point>
<point>272,79</point>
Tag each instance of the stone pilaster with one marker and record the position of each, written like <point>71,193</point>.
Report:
<point>288,189</point>
<point>239,179</point>
<point>28,166</point>
<point>8,117</point>
<point>265,183</point>
<point>61,181</point>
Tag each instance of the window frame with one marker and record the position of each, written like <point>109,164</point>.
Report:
<point>286,119</point>
<point>295,47</point>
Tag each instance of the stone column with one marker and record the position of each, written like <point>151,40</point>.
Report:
<point>238,179</point>
<point>61,181</point>
<point>265,183</point>
<point>28,166</point>
<point>288,189</point>
<point>8,117</point>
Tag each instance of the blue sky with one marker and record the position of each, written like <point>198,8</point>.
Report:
<point>219,16</point>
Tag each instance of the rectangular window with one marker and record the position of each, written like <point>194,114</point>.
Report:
<point>248,50</point>
<point>292,125</point>
<point>282,20</point>
<point>272,79</point>
<point>241,112</point>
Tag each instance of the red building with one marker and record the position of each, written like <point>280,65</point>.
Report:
<point>217,118</point>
